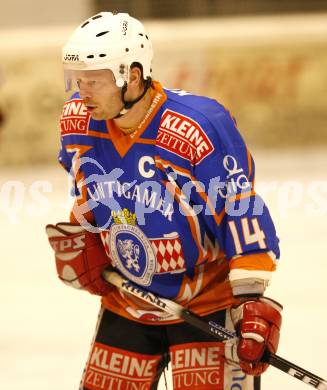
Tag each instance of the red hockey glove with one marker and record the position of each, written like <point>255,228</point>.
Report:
<point>257,323</point>
<point>80,257</point>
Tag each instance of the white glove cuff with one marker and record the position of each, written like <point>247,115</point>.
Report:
<point>245,282</point>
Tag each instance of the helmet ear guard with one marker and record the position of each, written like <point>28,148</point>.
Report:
<point>127,105</point>
<point>108,41</point>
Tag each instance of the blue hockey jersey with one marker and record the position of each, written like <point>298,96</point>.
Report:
<point>174,201</point>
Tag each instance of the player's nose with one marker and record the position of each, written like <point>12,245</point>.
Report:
<point>85,93</point>
<point>85,90</point>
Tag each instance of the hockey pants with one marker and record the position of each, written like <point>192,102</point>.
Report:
<point>127,355</point>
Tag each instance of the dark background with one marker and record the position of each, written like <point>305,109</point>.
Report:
<point>204,8</point>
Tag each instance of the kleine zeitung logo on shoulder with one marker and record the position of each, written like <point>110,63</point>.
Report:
<point>74,118</point>
<point>183,136</point>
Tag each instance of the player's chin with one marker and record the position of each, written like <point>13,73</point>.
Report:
<point>98,115</point>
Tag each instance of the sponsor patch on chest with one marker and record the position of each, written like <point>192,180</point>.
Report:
<point>74,118</point>
<point>184,137</point>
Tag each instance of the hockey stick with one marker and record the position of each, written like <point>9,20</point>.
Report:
<point>211,328</point>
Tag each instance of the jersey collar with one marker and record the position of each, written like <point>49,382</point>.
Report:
<point>123,142</point>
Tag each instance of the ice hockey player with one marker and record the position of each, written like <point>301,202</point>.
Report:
<point>164,196</point>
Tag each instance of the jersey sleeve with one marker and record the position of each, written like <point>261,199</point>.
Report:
<point>235,214</point>
<point>68,158</point>
<point>63,157</point>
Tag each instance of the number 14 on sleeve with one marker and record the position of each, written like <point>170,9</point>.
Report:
<point>250,236</point>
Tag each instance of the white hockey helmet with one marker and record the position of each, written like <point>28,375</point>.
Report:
<point>108,41</point>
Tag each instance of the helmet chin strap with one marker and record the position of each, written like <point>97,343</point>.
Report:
<point>128,105</point>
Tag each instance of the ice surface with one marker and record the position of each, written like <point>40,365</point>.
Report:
<point>46,328</point>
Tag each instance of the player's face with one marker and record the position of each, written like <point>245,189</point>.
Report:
<point>99,92</point>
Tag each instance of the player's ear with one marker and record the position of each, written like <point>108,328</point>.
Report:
<point>135,76</point>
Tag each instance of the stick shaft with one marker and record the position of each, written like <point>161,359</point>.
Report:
<point>215,330</point>
<point>169,306</point>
